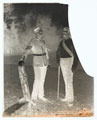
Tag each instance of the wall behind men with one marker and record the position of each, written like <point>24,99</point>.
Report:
<point>21,19</point>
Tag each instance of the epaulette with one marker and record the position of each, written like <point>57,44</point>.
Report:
<point>29,46</point>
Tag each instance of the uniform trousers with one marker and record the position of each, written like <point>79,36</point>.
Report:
<point>66,67</point>
<point>39,79</point>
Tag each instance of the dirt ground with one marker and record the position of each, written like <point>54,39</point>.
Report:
<point>83,92</point>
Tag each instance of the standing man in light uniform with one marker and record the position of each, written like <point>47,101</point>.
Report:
<point>39,50</point>
<point>65,58</point>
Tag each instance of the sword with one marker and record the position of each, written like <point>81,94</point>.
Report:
<point>58,90</point>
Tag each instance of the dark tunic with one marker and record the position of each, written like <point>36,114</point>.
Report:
<point>62,53</point>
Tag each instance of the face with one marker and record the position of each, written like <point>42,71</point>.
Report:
<point>39,36</point>
<point>66,34</point>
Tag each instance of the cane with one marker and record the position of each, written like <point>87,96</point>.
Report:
<point>58,82</point>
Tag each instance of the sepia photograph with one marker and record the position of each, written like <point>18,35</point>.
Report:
<point>43,75</point>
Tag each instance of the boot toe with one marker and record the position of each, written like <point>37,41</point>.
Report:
<point>43,99</point>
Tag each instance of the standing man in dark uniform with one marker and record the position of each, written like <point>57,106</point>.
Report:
<point>65,57</point>
<point>39,50</point>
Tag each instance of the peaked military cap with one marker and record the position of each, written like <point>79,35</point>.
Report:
<point>38,30</point>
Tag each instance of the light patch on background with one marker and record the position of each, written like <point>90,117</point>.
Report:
<point>19,34</point>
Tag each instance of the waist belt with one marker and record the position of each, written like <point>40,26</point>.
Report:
<point>39,54</point>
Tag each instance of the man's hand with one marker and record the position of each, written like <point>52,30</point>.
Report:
<point>21,63</point>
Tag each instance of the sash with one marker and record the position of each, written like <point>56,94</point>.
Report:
<point>67,49</point>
